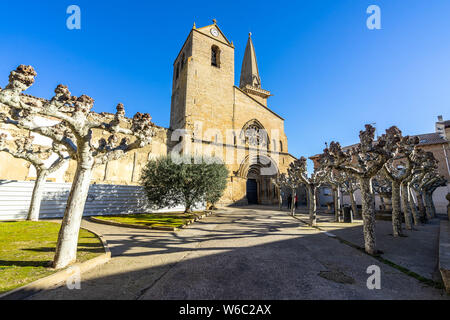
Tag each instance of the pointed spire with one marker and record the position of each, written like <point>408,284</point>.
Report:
<point>194,27</point>
<point>249,70</point>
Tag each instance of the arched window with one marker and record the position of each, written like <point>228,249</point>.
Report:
<point>281,146</point>
<point>215,56</point>
<point>253,134</point>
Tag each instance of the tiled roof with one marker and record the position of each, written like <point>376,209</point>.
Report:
<point>430,138</point>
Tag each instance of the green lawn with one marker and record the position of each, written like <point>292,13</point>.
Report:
<point>27,249</point>
<point>172,220</point>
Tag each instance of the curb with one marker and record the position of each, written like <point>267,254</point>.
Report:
<point>444,253</point>
<point>134,226</point>
<point>60,276</point>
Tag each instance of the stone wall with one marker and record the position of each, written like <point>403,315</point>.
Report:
<point>125,171</point>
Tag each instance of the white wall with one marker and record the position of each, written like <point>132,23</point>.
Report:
<point>15,197</point>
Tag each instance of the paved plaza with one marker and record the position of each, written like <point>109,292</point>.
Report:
<point>246,253</point>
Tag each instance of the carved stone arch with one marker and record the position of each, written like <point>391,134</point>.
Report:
<point>257,162</point>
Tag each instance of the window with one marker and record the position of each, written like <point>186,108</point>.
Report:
<point>215,56</point>
<point>281,146</point>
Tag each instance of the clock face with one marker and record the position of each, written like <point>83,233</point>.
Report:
<point>214,32</point>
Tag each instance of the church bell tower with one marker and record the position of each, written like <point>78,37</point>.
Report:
<point>203,79</point>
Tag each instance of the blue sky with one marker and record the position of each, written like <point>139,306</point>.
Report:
<point>328,72</point>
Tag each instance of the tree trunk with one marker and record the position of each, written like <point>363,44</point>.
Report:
<point>383,206</point>
<point>317,197</point>
<point>405,206</point>
<point>336,204</point>
<point>433,208</point>
<point>353,203</point>
<point>294,192</point>
<point>396,213</point>
<point>312,205</point>
<point>421,205</point>
<point>412,205</point>
<point>428,205</point>
<point>66,248</point>
<point>280,199</point>
<point>38,189</point>
<point>368,214</point>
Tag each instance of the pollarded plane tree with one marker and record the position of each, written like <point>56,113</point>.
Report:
<point>425,171</point>
<point>398,176</point>
<point>36,155</point>
<point>292,181</point>
<point>349,186</point>
<point>364,162</point>
<point>75,132</point>
<point>311,183</point>
<point>431,182</point>
<point>382,186</point>
<point>415,191</point>
<point>415,163</point>
<point>336,179</point>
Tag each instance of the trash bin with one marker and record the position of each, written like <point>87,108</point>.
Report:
<point>348,214</point>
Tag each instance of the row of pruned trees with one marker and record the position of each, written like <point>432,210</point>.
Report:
<point>392,165</point>
<point>69,124</point>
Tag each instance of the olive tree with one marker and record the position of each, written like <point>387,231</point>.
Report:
<point>364,161</point>
<point>36,155</point>
<point>74,131</point>
<point>184,180</point>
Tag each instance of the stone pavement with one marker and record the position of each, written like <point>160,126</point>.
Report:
<point>418,251</point>
<point>237,253</point>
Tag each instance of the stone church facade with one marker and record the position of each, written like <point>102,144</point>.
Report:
<point>209,115</point>
<point>222,119</point>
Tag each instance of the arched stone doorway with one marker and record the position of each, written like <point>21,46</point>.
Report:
<point>258,172</point>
